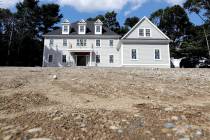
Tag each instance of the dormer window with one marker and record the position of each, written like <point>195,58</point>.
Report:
<point>82,27</point>
<point>98,27</point>
<point>65,27</point>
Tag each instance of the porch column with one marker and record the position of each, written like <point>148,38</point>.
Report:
<point>91,58</point>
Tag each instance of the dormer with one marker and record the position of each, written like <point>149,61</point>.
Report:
<point>98,27</point>
<point>65,27</point>
<point>82,27</point>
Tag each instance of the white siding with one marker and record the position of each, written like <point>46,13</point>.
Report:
<point>146,56</point>
<point>146,25</point>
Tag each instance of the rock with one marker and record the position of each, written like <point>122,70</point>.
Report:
<point>40,139</point>
<point>82,125</point>
<point>55,77</point>
<point>169,109</point>
<point>56,118</point>
<point>34,130</point>
<point>174,118</point>
<point>113,127</point>
<point>120,131</point>
<point>198,133</point>
<point>169,125</point>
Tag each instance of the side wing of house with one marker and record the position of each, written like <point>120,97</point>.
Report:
<point>145,46</point>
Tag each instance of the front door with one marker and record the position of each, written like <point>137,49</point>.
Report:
<point>81,60</point>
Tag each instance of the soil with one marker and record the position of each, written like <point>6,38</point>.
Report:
<point>104,103</point>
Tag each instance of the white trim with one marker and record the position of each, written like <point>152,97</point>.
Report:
<point>82,33</point>
<point>145,18</point>
<point>169,57</point>
<point>145,35</point>
<point>98,33</point>
<point>139,32</point>
<point>146,32</point>
<point>159,54</point>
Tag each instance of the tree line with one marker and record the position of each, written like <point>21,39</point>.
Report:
<point>21,41</point>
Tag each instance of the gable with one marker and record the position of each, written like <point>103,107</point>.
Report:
<point>145,23</point>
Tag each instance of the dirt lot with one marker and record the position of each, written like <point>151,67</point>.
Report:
<point>98,104</point>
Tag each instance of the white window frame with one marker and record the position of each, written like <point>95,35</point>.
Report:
<point>65,30</point>
<point>80,29</point>
<point>65,43</point>
<point>49,58</point>
<point>96,43</point>
<point>159,54</point>
<point>81,41</point>
<point>144,32</point>
<point>100,31</point>
<point>137,55</point>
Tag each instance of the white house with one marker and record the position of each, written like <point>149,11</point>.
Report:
<point>89,43</point>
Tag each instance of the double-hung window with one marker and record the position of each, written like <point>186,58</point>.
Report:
<point>148,33</point>
<point>98,29</point>
<point>65,28</point>
<point>98,60</point>
<point>82,29</point>
<point>134,54</point>
<point>157,54</point>
<point>111,43</point>
<point>98,43</point>
<point>50,58</point>
<point>141,32</point>
<point>111,59</point>
<point>64,42</point>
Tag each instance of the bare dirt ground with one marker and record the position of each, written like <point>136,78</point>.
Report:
<point>104,103</point>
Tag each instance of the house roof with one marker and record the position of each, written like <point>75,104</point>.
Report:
<point>140,21</point>
<point>89,31</point>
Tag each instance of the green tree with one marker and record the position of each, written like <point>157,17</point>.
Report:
<point>131,21</point>
<point>175,23</point>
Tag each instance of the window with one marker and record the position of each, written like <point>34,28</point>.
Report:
<point>51,42</point>
<point>98,43</point>
<point>141,32</point>
<point>81,42</point>
<point>98,29</point>
<point>50,58</point>
<point>157,54</point>
<point>65,28</point>
<point>98,59</point>
<point>111,43</point>
<point>148,33</point>
<point>111,59</point>
<point>82,29</point>
<point>64,58</point>
<point>64,42</point>
<point>133,54</point>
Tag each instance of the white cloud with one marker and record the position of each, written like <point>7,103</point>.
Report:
<point>96,5</point>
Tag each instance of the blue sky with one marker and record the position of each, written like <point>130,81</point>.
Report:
<point>82,9</point>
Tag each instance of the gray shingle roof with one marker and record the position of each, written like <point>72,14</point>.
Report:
<point>89,31</point>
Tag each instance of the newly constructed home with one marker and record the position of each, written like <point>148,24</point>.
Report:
<point>89,43</point>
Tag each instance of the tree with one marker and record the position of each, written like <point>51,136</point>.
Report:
<point>21,32</point>
<point>131,21</point>
<point>202,9</point>
<point>175,22</point>
<point>109,20</point>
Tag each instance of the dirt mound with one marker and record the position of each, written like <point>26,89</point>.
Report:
<point>20,102</point>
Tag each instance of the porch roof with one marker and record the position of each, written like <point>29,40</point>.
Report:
<point>81,50</point>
